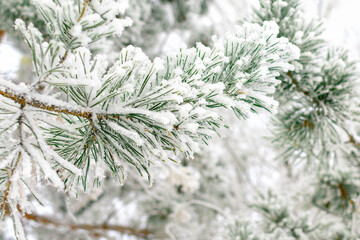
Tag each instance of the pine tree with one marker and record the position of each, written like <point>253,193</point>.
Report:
<point>84,114</point>
<point>315,133</point>
<point>108,133</point>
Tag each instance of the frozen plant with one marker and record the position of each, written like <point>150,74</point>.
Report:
<point>82,116</point>
<point>316,133</point>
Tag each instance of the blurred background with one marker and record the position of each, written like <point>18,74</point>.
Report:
<point>342,20</point>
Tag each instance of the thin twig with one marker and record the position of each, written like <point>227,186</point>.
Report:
<point>88,227</point>
<point>22,100</point>
<point>62,60</point>
<point>2,34</point>
<point>353,141</point>
<point>7,191</point>
<point>11,172</point>
<point>299,89</point>
<point>86,2</point>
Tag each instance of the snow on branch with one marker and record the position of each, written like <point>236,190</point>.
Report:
<point>132,111</point>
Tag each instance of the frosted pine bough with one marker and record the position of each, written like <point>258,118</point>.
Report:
<point>82,109</point>
<point>318,98</point>
<point>317,126</point>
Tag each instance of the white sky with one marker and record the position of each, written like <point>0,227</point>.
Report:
<point>344,24</point>
<point>342,18</point>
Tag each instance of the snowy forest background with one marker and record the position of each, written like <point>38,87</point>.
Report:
<point>243,185</point>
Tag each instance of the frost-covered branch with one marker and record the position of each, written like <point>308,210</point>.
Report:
<point>318,104</point>
<point>84,114</point>
<point>319,96</point>
<point>23,100</point>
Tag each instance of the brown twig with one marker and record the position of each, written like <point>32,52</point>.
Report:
<point>299,89</point>
<point>82,11</point>
<point>62,60</point>
<point>144,233</point>
<point>22,100</point>
<point>343,191</point>
<point>7,191</point>
<point>2,34</point>
<point>353,141</point>
<point>87,227</point>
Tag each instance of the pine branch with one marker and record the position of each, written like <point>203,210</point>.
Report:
<point>23,100</point>
<point>134,110</point>
<point>351,140</point>
<point>11,172</point>
<point>85,3</point>
<point>5,199</point>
